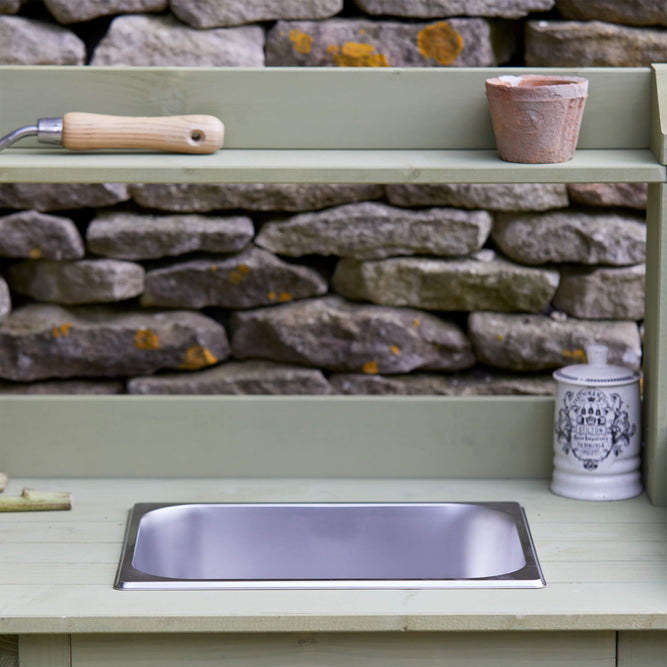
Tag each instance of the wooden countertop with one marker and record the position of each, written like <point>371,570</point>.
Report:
<point>605,564</point>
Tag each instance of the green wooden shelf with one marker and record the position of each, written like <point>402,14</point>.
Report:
<point>324,166</point>
<point>329,125</point>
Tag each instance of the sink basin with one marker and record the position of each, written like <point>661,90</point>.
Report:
<point>328,545</point>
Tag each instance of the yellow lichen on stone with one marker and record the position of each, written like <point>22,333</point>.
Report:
<point>146,339</point>
<point>416,321</point>
<point>395,349</point>
<point>284,296</point>
<point>356,54</point>
<point>576,355</point>
<point>272,296</point>
<point>61,331</point>
<point>35,253</point>
<point>235,277</point>
<point>302,42</point>
<point>441,42</point>
<point>370,367</point>
<point>238,274</point>
<point>197,357</point>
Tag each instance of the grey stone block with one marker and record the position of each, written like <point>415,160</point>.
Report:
<point>186,198</point>
<point>603,293</point>
<point>511,9</point>
<point>213,13</point>
<point>61,196</point>
<point>41,341</point>
<point>571,236</point>
<point>629,195</point>
<point>236,377</point>
<point>24,41</point>
<point>491,196</point>
<point>77,282</point>
<point>126,235</point>
<point>460,42</point>
<point>470,383</point>
<point>145,40</point>
<point>538,343</point>
<point>629,12</point>
<point>34,235</point>
<point>371,230</point>
<point>592,44</point>
<point>80,387</point>
<point>454,285</point>
<point>5,298</point>
<point>253,278</point>
<point>75,11</point>
<point>332,334</point>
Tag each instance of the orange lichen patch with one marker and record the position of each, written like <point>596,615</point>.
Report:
<point>35,253</point>
<point>238,274</point>
<point>235,277</point>
<point>213,268</point>
<point>146,339</point>
<point>500,337</point>
<point>302,42</point>
<point>355,54</point>
<point>395,349</point>
<point>416,321</point>
<point>370,367</point>
<point>284,296</point>
<point>197,357</point>
<point>576,355</point>
<point>441,42</point>
<point>272,296</point>
<point>61,331</point>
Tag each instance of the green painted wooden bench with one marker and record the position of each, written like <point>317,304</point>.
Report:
<point>329,126</point>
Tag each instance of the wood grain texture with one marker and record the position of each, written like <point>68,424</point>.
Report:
<point>655,346</point>
<point>603,563</point>
<point>585,649</point>
<point>324,166</point>
<point>239,436</point>
<point>177,134</point>
<point>642,649</point>
<point>42,650</point>
<point>323,108</point>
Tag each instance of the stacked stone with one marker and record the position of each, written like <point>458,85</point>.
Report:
<point>467,289</point>
<point>315,288</point>
<point>369,33</point>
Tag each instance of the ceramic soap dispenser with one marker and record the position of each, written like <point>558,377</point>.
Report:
<point>597,430</point>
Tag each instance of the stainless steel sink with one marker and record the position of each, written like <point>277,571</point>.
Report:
<point>328,545</point>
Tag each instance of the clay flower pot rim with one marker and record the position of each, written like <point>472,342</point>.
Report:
<point>538,86</point>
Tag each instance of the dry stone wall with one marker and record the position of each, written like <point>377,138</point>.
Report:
<point>319,289</point>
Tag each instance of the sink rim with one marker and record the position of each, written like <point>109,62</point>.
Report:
<point>130,578</point>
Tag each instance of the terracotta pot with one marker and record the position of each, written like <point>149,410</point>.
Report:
<point>536,118</point>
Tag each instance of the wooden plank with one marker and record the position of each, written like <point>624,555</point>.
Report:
<point>326,108</point>
<point>583,649</point>
<point>265,436</point>
<point>565,606</point>
<point>642,649</point>
<point>41,650</point>
<point>655,347</point>
<point>324,166</point>
<point>9,650</point>
<point>659,113</point>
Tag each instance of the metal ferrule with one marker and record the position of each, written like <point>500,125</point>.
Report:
<point>50,131</point>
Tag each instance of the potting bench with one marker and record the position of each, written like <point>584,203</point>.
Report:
<point>335,126</point>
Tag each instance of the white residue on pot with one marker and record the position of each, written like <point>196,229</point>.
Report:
<point>510,79</point>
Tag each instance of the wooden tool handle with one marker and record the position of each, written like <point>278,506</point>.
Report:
<point>179,134</point>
